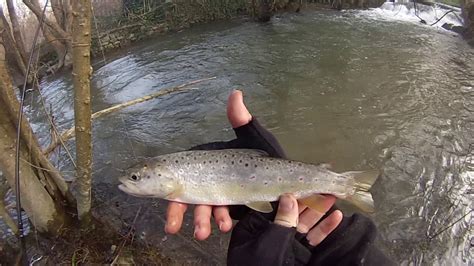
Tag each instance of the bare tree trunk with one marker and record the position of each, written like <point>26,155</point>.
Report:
<point>59,48</point>
<point>54,33</point>
<point>16,30</point>
<point>58,11</point>
<point>35,7</point>
<point>10,43</point>
<point>81,74</point>
<point>41,195</point>
<point>264,10</point>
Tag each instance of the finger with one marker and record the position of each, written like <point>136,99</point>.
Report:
<point>174,217</point>
<point>323,229</point>
<point>202,221</point>
<point>309,217</point>
<point>287,213</point>
<point>237,113</point>
<point>222,217</point>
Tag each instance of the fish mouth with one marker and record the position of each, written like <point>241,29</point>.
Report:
<point>131,191</point>
<point>128,190</point>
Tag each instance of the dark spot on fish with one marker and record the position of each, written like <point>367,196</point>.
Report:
<point>280,179</point>
<point>265,183</point>
<point>176,161</point>
<point>252,177</point>
<point>240,161</point>
<point>291,170</point>
<point>225,155</point>
<point>241,185</point>
<point>217,161</point>
<point>148,177</point>
<point>301,178</point>
<point>189,164</point>
<point>246,165</point>
<point>159,174</point>
<point>145,165</point>
<point>299,164</point>
<point>164,160</point>
<point>204,162</point>
<point>233,155</point>
<point>194,157</point>
<point>251,158</point>
<point>210,161</point>
<point>279,162</point>
<point>255,166</point>
<point>182,158</point>
<point>266,167</point>
<point>232,162</point>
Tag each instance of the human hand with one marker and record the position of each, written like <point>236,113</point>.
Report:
<point>238,116</point>
<point>258,241</point>
<point>252,136</point>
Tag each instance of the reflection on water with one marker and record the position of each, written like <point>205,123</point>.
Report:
<point>346,88</point>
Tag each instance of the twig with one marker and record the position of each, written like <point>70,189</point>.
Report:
<point>126,237</point>
<point>70,133</point>
<point>449,226</point>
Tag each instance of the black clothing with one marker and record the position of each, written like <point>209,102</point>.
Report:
<point>256,240</point>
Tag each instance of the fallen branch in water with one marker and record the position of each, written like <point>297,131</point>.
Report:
<point>70,133</point>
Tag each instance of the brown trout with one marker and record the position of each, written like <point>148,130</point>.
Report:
<point>243,177</point>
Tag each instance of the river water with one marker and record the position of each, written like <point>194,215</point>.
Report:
<point>359,89</point>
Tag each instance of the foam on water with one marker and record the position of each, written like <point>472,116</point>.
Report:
<point>405,12</point>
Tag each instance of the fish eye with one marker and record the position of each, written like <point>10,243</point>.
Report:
<point>135,177</point>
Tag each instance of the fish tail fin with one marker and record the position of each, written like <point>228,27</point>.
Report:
<point>362,198</point>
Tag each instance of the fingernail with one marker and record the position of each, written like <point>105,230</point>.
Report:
<point>286,203</point>
<point>196,230</point>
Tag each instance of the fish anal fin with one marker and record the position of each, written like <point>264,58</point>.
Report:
<point>316,202</point>
<point>261,206</point>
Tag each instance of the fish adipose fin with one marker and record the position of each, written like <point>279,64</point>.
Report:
<point>261,206</point>
<point>362,198</point>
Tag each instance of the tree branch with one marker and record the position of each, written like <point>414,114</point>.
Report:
<point>70,133</point>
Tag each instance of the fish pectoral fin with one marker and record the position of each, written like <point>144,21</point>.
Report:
<point>315,202</point>
<point>260,206</point>
<point>175,193</point>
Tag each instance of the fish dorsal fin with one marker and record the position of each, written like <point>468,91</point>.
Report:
<point>261,206</point>
<point>253,152</point>
<point>315,202</point>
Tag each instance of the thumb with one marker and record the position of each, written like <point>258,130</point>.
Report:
<point>287,214</point>
<point>237,112</point>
